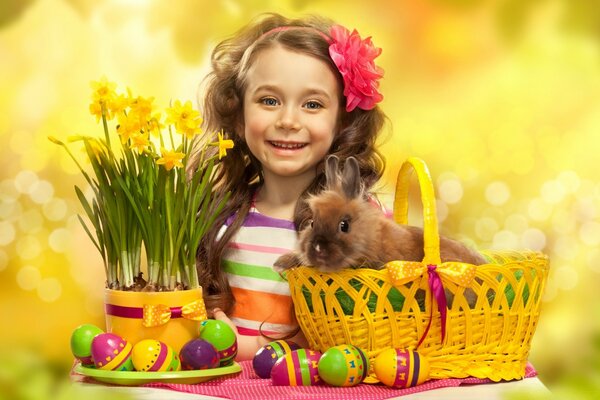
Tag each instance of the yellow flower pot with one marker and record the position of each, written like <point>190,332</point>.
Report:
<point>171,317</point>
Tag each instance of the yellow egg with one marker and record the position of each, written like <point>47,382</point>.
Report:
<point>401,368</point>
<point>153,355</point>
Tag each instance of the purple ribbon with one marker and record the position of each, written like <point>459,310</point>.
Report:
<point>437,292</point>
<point>135,312</point>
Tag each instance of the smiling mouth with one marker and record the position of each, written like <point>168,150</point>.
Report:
<point>287,145</point>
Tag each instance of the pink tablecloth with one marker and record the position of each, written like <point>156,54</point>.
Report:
<point>246,385</point>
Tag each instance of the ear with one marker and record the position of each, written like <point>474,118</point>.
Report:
<point>351,183</point>
<point>331,171</point>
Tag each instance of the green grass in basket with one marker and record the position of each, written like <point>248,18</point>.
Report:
<point>394,296</point>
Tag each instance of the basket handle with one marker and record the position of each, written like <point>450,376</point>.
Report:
<point>431,238</point>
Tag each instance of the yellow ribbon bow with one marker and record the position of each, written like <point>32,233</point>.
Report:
<point>160,314</point>
<point>402,272</point>
<point>462,274</point>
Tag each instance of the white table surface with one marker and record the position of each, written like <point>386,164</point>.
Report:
<point>491,391</point>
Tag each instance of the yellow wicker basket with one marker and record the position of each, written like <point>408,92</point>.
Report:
<point>487,333</point>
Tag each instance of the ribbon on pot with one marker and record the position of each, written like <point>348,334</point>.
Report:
<point>159,314</point>
<point>462,274</point>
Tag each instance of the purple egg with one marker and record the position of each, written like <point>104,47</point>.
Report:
<point>111,352</point>
<point>298,368</point>
<point>199,354</point>
<point>267,356</point>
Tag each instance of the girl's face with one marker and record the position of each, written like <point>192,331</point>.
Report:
<point>291,108</point>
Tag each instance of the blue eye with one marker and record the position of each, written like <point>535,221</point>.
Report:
<point>313,105</point>
<point>269,101</point>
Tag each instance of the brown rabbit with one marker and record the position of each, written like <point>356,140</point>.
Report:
<point>348,231</point>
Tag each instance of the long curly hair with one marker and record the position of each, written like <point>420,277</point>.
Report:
<point>240,173</point>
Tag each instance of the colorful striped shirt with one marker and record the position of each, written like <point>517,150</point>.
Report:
<point>261,295</point>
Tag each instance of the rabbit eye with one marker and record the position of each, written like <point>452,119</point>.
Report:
<point>344,225</point>
<point>310,223</point>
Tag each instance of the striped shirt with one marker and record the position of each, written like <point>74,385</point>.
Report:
<point>261,295</point>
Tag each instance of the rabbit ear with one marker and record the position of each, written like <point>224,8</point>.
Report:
<point>351,178</point>
<point>331,171</point>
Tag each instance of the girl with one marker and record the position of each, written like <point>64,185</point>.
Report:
<point>288,92</point>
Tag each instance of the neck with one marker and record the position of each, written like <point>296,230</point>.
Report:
<point>278,195</point>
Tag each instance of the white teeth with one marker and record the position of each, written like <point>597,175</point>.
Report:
<point>284,145</point>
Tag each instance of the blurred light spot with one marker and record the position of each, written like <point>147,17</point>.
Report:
<point>563,221</point>
<point>59,240</point>
<point>31,221</point>
<point>497,193</point>
<point>20,142</point>
<point>41,192</point>
<point>590,233</point>
<point>539,210</point>
<point>516,223</point>
<point>441,211</point>
<point>3,260</point>
<point>565,247</point>
<point>566,277</point>
<point>552,192</point>
<point>8,191</point>
<point>533,239</point>
<point>28,277</point>
<point>55,209</point>
<point>505,240</point>
<point>586,208</point>
<point>550,291</point>
<point>450,191</point>
<point>569,180</point>
<point>28,247</point>
<point>25,180</point>
<point>486,228</point>
<point>593,260</point>
<point>7,233</point>
<point>49,290</point>
<point>232,7</point>
<point>10,210</point>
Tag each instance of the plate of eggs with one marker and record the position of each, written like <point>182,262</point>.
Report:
<point>110,358</point>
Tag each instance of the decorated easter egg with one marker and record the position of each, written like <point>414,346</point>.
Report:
<point>81,343</point>
<point>401,368</point>
<point>298,368</point>
<point>199,354</point>
<point>153,355</point>
<point>222,337</point>
<point>344,365</point>
<point>267,356</point>
<point>111,352</point>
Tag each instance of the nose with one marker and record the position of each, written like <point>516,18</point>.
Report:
<point>287,120</point>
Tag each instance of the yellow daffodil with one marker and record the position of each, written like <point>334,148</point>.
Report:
<point>170,159</point>
<point>103,90</point>
<point>140,142</point>
<point>129,126</point>
<point>142,107</point>
<point>103,94</point>
<point>186,120</point>
<point>224,144</point>
<point>118,104</point>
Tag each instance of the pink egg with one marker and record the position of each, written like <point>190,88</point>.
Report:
<point>111,352</point>
<point>298,368</point>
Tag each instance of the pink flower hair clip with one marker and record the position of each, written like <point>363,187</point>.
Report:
<point>354,58</point>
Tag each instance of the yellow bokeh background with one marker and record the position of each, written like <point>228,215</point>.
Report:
<point>501,98</point>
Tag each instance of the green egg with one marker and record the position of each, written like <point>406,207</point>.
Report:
<point>81,342</point>
<point>220,335</point>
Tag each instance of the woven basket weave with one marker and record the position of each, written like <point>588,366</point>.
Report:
<point>487,333</point>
